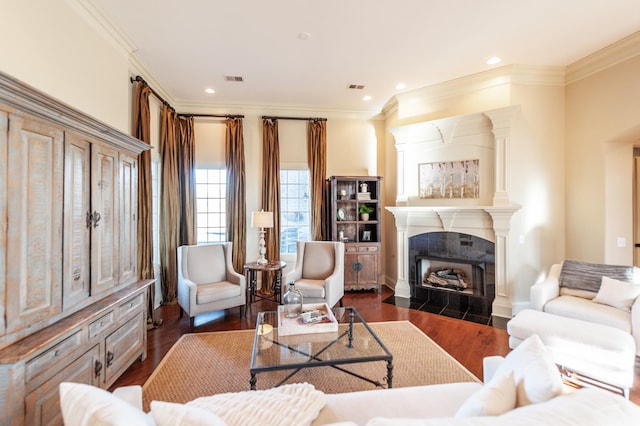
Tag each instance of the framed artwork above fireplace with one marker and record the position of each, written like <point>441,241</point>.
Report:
<point>449,179</point>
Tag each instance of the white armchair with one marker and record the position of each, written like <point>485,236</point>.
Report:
<point>207,281</point>
<point>319,272</point>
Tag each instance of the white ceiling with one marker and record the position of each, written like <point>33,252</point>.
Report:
<point>187,46</point>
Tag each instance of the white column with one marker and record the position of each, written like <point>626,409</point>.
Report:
<point>402,288</point>
<point>502,306</point>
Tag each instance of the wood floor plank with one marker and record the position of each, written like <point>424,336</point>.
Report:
<point>466,341</point>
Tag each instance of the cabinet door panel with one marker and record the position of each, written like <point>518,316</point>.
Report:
<point>34,222</point>
<point>351,269</point>
<point>128,218</point>
<point>123,345</point>
<point>369,273</point>
<point>43,404</point>
<point>76,279</point>
<point>104,231</point>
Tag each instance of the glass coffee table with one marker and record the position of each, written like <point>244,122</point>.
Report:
<point>354,342</point>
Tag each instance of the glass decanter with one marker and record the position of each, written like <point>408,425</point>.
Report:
<point>292,301</point>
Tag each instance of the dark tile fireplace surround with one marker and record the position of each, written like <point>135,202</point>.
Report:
<point>475,257</point>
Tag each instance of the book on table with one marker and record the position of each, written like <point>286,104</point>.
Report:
<point>315,318</point>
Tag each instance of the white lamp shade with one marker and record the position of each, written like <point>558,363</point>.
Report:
<point>262,219</point>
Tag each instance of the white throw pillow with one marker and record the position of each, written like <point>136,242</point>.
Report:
<point>536,375</point>
<point>616,293</point>
<point>494,398</point>
<point>173,414</point>
<point>86,405</point>
<point>295,404</point>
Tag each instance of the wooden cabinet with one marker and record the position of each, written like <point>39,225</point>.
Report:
<point>346,197</point>
<point>71,305</point>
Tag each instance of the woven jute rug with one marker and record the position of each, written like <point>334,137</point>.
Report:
<point>204,364</point>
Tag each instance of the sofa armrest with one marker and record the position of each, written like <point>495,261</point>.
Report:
<point>546,290</point>
<point>490,365</point>
<point>635,324</point>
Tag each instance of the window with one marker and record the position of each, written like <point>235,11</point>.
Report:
<point>294,209</point>
<point>211,205</point>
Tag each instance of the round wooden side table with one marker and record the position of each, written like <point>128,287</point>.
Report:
<point>251,270</point>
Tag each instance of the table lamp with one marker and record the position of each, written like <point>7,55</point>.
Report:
<point>262,220</point>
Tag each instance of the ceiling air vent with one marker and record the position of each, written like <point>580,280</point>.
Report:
<point>356,86</point>
<point>233,78</point>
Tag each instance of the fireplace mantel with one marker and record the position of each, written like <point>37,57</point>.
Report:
<point>489,222</point>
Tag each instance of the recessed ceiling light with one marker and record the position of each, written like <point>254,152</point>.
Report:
<point>366,98</point>
<point>304,35</point>
<point>494,60</point>
<point>401,86</point>
<point>209,90</point>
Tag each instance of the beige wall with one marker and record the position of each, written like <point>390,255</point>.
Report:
<point>603,125</point>
<point>49,46</point>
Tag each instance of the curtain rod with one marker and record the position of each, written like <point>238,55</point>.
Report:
<point>161,99</point>
<point>212,115</point>
<point>267,117</point>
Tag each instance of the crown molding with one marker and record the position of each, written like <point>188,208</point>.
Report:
<point>620,51</point>
<point>98,20</point>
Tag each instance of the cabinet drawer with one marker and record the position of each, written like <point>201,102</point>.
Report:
<point>368,249</point>
<point>57,354</point>
<point>101,324</point>
<point>131,305</point>
<point>350,249</point>
<point>42,406</point>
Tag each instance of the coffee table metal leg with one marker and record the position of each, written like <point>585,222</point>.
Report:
<point>253,381</point>
<point>389,374</point>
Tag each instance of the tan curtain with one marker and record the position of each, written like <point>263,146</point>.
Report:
<point>170,205</point>
<point>317,153</point>
<point>236,192</point>
<point>186,163</point>
<point>142,131</point>
<point>271,190</point>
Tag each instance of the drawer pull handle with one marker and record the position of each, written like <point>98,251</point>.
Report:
<point>131,305</point>
<point>55,354</point>
<point>76,275</point>
<point>101,324</point>
<point>97,368</point>
<point>109,358</point>
<point>357,266</point>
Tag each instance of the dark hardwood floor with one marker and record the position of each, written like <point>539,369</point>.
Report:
<point>466,341</point>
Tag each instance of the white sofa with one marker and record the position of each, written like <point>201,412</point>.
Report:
<point>524,388</point>
<point>599,293</point>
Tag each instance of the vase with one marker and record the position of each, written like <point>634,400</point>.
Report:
<point>364,216</point>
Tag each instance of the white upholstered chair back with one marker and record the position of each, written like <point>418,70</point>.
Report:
<point>319,271</point>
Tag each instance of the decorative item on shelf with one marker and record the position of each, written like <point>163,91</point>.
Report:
<point>342,214</point>
<point>262,220</point>
<point>343,194</point>
<point>364,211</point>
<point>292,301</point>
<point>366,235</point>
<point>364,196</point>
<point>364,187</point>
<point>341,235</point>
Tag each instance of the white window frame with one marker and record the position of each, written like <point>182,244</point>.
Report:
<point>211,204</point>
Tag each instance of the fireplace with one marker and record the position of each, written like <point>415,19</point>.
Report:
<point>453,273</point>
<point>483,136</point>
